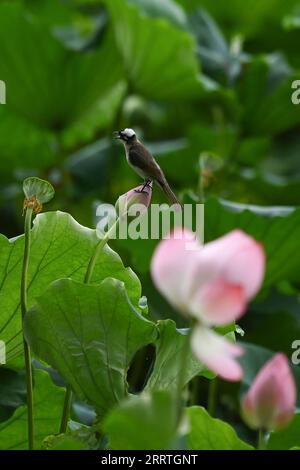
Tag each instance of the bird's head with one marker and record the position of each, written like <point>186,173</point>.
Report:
<point>126,135</point>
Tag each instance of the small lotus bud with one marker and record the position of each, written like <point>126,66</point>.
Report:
<point>140,195</point>
<point>270,401</point>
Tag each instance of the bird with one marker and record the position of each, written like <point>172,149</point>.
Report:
<point>143,163</point>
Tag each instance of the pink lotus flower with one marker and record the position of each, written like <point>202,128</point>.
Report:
<point>138,195</point>
<point>213,284</point>
<point>269,404</point>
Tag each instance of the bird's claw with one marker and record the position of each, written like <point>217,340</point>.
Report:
<point>140,191</point>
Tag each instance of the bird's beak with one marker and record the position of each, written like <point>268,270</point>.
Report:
<point>116,134</point>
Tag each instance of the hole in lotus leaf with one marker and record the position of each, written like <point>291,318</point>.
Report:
<point>141,368</point>
<point>34,187</point>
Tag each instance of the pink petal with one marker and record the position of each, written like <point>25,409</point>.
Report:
<point>217,353</point>
<point>172,267</point>
<point>238,259</point>
<point>218,303</point>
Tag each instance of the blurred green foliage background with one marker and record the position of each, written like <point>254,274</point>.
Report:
<point>206,85</point>
<point>191,77</point>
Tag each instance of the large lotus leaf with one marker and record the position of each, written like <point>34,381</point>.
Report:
<point>90,335</point>
<point>159,58</point>
<point>60,247</point>
<point>170,346</point>
<point>48,403</point>
<point>207,433</point>
<point>156,410</point>
<point>52,88</point>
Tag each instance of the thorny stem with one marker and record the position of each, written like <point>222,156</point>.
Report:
<point>27,354</point>
<point>87,280</point>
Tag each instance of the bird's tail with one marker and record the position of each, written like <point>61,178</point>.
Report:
<point>169,193</point>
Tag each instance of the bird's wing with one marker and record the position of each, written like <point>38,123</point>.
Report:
<point>142,159</point>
